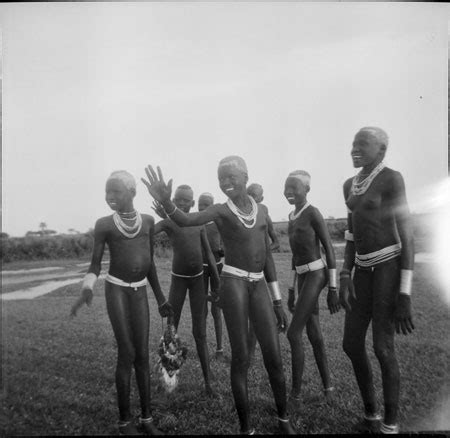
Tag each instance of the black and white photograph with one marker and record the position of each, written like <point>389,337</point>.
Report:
<point>224,218</point>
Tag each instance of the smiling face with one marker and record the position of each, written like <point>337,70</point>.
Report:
<point>295,190</point>
<point>367,150</point>
<point>232,181</point>
<point>184,199</point>
<point>118,196</point>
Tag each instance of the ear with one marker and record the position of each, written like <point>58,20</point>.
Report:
<point>383,149</point>
<point>133,192</point>
<point>308,189</point>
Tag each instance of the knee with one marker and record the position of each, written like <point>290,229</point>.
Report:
<point>199,332</point>
<point>240,363</point>
<point>126,356</point>
<point>294,336</point>
<point>385,353</point>
<point>141,357</point>
<point>352,348</point>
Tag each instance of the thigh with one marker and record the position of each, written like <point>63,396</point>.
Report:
<point>309,288</point>
<point>177,295</point>
<point>263,318</point>
<point>119,312</point>
<point>234,299</point>
<point>385,289</point>
<point>197,298</point>
<point>140,317</point>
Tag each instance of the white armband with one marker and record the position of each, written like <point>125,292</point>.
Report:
<point>406,281</point>
<point>348,236</point>
<point>274,290</point>
<point>89,281</point>
<point>332,281</point>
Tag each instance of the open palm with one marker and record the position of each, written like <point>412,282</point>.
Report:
<point>156,185</point>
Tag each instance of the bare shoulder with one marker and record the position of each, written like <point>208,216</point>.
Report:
<point>148,219</point>
<point>392,176</point>
<point>314,213</point>
<point>347,185</point>
<point>264,208</point>
<point>104,223</point>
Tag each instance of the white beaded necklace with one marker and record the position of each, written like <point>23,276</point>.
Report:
<point>243,217</point>
<point>293,215</point>
<point>129,231</point>
<point>360,187</point>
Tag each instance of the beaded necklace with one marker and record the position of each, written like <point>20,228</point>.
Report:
<point>293,215</point>
<point>129,231</point>
<point>244,218</point>
<point>360,187</point>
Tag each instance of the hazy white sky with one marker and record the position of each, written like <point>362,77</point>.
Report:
<point>89,88</point>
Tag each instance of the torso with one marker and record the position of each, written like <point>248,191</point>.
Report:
<point>130,259</point>
<point>373,218</point>
<point>303,239</point>
<point>187,248</point>
<point>245,248</point>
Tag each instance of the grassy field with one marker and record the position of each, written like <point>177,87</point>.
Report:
<point>58,373</point>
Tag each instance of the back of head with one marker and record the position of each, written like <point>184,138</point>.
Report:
<point>207,195</point>
<point>125,177</point>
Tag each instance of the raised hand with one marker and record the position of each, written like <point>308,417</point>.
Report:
<point>403,315</point>
<point>159,210</point>
<point>86,298</point>
<point>333,300</point>
<point>156,186</point>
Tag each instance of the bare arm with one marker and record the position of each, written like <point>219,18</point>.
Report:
<point>403,220</point>
<point>273,235</point>
<point>210,260</point>
<point>320,227</point>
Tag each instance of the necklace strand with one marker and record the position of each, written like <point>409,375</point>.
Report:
<point>243,217</point>
<point>293,215</point>
<point>361,187</point>
<point>129,231</point>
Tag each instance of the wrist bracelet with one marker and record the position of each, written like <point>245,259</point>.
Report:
<point>172,212</point>
<point>274,290</point>
<point>406,281</point>
<point>345,273</point>
<point>165,302</point>
<point>89,281</point>
<point>332,276</point>
<point>276,303</point>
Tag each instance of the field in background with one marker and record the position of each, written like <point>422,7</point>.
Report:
<point>58,373</point>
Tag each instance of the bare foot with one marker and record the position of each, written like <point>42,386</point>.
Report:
<point>286,427</point>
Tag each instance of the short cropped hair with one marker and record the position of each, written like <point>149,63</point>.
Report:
<point>234,161</point>
<point>378,133</point>
<point>125,177</point>
<point>184,187</point>
<point>302,175</point>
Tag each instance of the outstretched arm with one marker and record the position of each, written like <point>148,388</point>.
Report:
<point>403,313</point>
<point>161,192</point>
<point>94,268</point>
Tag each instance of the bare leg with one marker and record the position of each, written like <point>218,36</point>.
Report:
<point>309,287</point>
<point>235,298</point>
<point>197,301</point>
<point>385,285</point>
<point>355,329</point>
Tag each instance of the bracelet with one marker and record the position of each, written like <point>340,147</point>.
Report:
<point>345,273</point>
<point>89,281</point>
<point>332,275</point>
<point>274,290</point>
<point>163,304</point>
<point>406,281</point>
<point>172,212</point>
<point>276,303</point>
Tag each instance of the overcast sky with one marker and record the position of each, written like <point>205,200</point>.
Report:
<point>89,88</point>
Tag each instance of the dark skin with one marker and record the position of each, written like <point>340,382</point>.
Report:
<point>215,243</point>
<point>131,260</point>
<point>189,244</point>
<point>378,218</point>
<point>306,233</point>
<point>247,249</point>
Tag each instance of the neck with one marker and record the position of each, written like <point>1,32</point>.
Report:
<point>369,167</point>
<point>126,210</point>
<point>300,204</point>
<point>241,200</point>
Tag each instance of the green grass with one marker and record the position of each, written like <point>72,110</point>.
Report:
<point>58,373</point>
